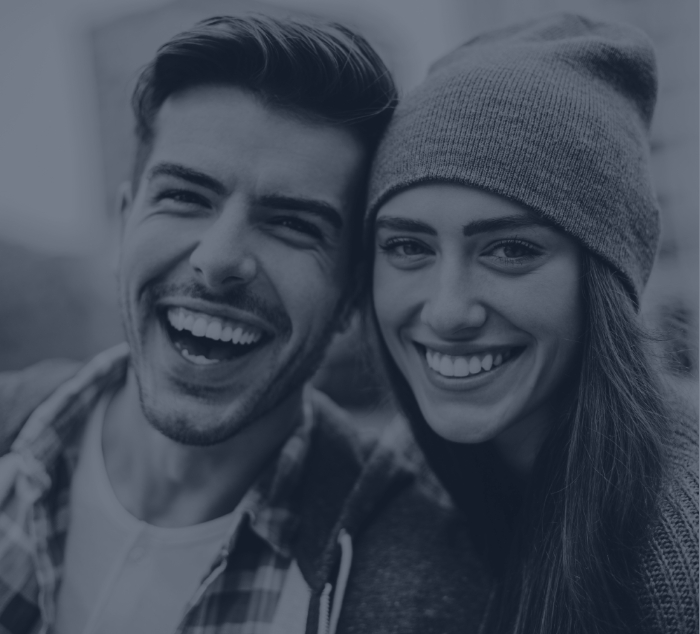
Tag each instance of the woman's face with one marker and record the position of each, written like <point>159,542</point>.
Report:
<point>479,304</point>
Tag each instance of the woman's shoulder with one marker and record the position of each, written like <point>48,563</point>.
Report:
<point>683,441</point>
<point>415,552</point>
<point>671,559</point>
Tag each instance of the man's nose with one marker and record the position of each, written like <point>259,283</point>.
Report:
<point>454,306</point>
<point>223,256</point>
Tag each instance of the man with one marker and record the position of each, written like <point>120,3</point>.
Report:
<point>189,482</point>
<point>161,487</point>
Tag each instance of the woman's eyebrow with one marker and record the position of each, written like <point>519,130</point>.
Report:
<point>404,224</point>
<point>504,222</point>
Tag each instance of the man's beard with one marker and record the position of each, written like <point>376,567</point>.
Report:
<point>180,427</point>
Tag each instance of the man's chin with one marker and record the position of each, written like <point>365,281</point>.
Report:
<point>183,432</point>
<point>194,420</point>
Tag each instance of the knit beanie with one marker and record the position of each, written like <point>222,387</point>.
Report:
<point>553,114</point>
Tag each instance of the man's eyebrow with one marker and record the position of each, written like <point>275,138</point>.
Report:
<point>404,224</point>
<point>505,222</point>
<point>319,208</point>
<point>187,174</point>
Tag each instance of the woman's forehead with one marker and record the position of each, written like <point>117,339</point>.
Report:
<point>450,203</point>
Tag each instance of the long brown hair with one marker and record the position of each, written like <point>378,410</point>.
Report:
<point>564,553</point>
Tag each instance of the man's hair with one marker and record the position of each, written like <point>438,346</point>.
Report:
<point>315,70</point>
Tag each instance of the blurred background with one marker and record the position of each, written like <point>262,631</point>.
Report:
<point>67,68</point>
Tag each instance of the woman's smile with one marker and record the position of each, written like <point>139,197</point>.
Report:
<point>461,366</point>
<point>478,302</point>
<point>454,367</point>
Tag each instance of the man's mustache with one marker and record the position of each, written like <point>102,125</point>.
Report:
<point>240,298</point>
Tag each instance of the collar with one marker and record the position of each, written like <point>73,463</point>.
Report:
<point>272,503</point>
<point>347,480</point>
<point>53,428</point>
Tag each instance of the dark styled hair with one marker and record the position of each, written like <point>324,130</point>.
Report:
<point>315,70</point>
<point>564,552</point>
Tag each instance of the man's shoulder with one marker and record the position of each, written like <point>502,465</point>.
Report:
<point>377,459</point>
<point>22,391</point>
<point>329,415</point>
<point>337,451</point>
<point>346,475</point>
<point>338,430</point>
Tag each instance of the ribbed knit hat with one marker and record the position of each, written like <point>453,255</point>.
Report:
<point>553,114</point>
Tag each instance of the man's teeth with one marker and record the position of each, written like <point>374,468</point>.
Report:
<point>197,358</point>
<point>202,325</point>
<point>453,366</point>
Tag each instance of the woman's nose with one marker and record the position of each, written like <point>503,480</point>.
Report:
<point>454,305</point>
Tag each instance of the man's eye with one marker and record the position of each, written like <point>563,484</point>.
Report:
<point>183,197</point>
<point>298,225</point>
<point>404,248</point>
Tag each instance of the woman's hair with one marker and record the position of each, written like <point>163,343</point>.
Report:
<point>563,553</point>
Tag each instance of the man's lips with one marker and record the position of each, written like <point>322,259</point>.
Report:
<point>200,324</point>
<point>205,340</point>
<point>222,313</point>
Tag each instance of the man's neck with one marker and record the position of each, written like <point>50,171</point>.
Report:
<point>168,484</point>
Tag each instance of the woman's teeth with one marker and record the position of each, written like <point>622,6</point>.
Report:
<point>203,325</point>
<point>453,366</point>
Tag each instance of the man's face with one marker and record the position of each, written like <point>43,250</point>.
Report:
<point>234,259</point>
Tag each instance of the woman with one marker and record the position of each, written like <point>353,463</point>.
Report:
<point>514,228</point>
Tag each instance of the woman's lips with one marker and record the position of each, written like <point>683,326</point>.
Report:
<point>462,366</point>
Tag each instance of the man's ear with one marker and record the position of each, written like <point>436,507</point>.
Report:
<point>354,299</point>
<point>123,204</point>
<point>348,311</point>
<point>125,199</point>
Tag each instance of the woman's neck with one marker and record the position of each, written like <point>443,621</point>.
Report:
<point>519,445</point>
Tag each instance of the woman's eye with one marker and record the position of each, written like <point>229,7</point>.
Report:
<point>404,248</point>
<point>513,251</point>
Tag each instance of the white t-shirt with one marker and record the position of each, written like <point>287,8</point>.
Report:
<point>122,574</point>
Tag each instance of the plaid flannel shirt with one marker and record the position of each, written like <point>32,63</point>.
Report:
<point>240,592</point>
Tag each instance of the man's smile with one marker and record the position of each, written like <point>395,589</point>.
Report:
<point>205,339</point>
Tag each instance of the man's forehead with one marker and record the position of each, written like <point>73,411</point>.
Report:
<point>232,136</point>
<point>228,109</point>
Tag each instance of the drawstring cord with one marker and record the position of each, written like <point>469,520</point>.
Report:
<point>345,542</point>
<point>328,616</point>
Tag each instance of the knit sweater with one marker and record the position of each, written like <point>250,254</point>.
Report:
<point>414,568</point>
<point>412,550</point>
<point>668,587</point>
